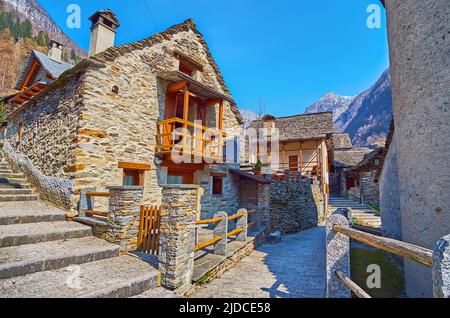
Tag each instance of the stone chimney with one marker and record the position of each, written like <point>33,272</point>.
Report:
<point>103,31</point>
<point>55,50</point>
<point>268,121</point>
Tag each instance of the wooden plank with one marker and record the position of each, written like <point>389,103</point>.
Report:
<point>251,224</point>
<point>177,87</point>
<point>158,216</point>
<point>209,221</point>
<point>236,216</point>
<point>416,253</point>
<point>98,194</point>
<point>251,211</point>
<point>220,114</point>
<point>97,213</point>
<point>134,166</point>
<point>237,231</point>
<point>208,243</point>
<point>358,291</point>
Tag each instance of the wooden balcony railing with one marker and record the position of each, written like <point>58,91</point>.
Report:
<point>188,138</point>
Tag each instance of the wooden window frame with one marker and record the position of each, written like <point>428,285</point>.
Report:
<point>135,170</point>
<point>20,131</point>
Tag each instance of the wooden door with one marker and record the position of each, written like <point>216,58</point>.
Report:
<point>293,164</point>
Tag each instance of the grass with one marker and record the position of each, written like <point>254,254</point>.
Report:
<point>392,281</point>
<point>376,208</point>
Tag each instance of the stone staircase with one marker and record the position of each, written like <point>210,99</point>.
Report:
<point>43,255</point>
<point>364,215</point>
<point>14,186</point>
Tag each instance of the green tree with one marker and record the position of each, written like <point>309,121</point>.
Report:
<point>25,29</point>
<point>42,38</point>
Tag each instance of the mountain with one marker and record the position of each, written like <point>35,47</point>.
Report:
<point>331,102</point>
<point>366,117</point>
<point>26,26</point>
<point>32,11</point>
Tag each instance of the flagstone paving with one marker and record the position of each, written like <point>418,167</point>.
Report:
<point>292,268</point>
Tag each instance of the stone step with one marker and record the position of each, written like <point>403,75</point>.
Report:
<point>21,234</point>
<point>13,175</point>
<point>6,170</point>
<point>26,212</point>
<point>14,191</point>
<point>10,198</point>
<point>117,277</point>
<point>13,180</point>
<point>15,186</point>
<point>31,258</point>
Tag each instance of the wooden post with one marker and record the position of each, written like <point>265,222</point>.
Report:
<point>221,115</point>
<point>185,117</point>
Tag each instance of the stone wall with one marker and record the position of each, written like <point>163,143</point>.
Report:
<point>389,195</point>
<point>292,207</point>
<point>50,123</point>
<point>81,129</point>
<point>419,47</point>
<point>57,191</point>
<point>228,201</point>
<point>370,193</point>
<point>354,194</point>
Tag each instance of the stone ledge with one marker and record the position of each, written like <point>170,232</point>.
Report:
<point>180,186</point>
<point>125,188</point>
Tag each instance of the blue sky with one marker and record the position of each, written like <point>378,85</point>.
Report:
<point>287,53</point>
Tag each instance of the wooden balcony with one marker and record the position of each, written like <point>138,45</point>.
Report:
<point>189,139</point>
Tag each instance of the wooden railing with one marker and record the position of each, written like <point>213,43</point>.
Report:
<point>188,138</point>
<point>413,252</point>
<point>225,236</point>
<point>92,211</point>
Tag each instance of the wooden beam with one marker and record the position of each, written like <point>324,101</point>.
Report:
<point>34,67</point>
<point>134,166</point>
<point>358,291</point>
<point>177,87</point>
<point>416,253</point>
<point>220,114</point>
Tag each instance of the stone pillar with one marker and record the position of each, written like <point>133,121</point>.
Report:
<point>221,229</point>
<point>337,256</point>
<point>124,217</point>
<point>177,236</point>
<point>242,222</point>
<point>441,268</point>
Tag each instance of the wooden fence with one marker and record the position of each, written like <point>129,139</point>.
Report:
<point>218,238</point>
<point>150,221</point>
<point>416,253</point>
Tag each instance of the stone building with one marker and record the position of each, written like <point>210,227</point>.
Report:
<point>344,157</point>
<point>302,146</point>
<point>419,48</point>
<point>126,114</point>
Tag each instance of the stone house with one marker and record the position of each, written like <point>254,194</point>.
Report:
<point>126,114</point>
<point>344,158</point>
<point>302,145</point>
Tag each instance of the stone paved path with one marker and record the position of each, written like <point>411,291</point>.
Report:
<point>293,268</point>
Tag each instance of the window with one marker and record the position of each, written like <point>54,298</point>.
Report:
<point>175,180</point>
<point>186,68</point>
<point>133,173</point>
<point>132,177</point>
<point>20,132</point>
<point>217,185</point>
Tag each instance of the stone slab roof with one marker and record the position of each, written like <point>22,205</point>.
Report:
<point>51,66</point>
<point>110,54</point>
<point>248,175</point>
<point>350,158</point>
<point>302,127</point>
<point>342,141</point>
